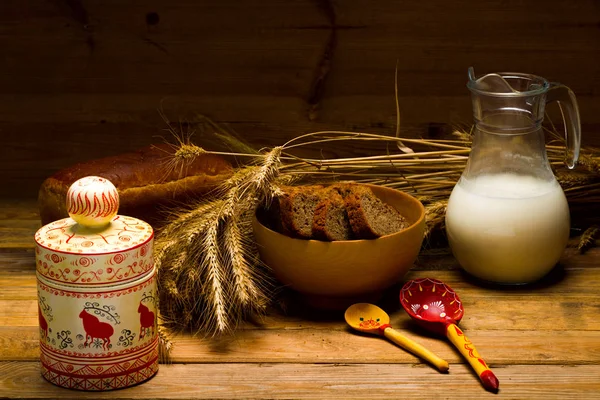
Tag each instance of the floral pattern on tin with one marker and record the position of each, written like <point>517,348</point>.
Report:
<point>67,236</point>
<point>93,269</point>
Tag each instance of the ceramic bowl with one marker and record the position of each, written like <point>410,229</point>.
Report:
<point>333,275</point>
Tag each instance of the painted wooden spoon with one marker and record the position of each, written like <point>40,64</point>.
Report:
<point>436,307</point>
<point>369,318</point>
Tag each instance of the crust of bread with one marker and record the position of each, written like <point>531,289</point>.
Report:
<point>147,189</point>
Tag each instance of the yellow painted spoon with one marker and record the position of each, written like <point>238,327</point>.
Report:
<point>369,318</point>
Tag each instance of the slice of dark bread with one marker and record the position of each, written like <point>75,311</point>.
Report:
<point>369,216</point>
<point>297,208</point>
<point>338,212</point>
<point>330,220</point>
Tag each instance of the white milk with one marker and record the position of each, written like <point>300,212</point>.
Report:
<point>507,228</point>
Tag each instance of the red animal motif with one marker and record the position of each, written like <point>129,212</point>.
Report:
<point>43,324</point>
<point>147,320</point>
<point>94,329</point>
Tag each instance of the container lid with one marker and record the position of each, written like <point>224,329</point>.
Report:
<point>94,245</point>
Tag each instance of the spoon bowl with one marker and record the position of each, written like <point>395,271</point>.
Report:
<point>432,304</point>
<point>369,318</point>
<point>436,307</point>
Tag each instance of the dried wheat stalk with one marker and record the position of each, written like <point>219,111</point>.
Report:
<point>165,346</point>
<point>588,238</point>
<point>206,261</point>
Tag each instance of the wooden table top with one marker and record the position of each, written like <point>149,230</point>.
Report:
<point>541,341</point>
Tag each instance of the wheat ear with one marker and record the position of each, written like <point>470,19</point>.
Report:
<point>165,345</point>
<point>590,162</point>
<point>237,244</point>
<point>588,238</point>
<point>216,318</point>
<point>435,214</point>
<point>244,197</point>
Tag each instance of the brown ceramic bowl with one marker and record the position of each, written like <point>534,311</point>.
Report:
<point>334,275</point>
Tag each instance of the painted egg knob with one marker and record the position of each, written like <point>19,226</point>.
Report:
<point>92,201</point>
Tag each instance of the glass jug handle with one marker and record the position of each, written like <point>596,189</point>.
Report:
<point>570,112</point>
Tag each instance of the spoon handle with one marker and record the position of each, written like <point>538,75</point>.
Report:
<point>467,349</point>
<point>415,348</point>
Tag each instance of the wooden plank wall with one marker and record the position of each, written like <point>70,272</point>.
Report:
<point>81,79</point>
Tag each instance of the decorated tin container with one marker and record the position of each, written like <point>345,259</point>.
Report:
<point>97,293</point>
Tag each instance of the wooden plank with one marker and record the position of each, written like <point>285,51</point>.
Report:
<point>17,276</point>
<point>19,258</point>
<point>19,312</point>
<point>19,220</point>
<point>515,308</point>
<point>18,287</point>
<point>320,381</point>
<point>331,346</point>
<point>574,279</point>
<point>21,209</point>
<point>497,347</point>
<point>511,312</point>
<point>180,17</point>
<point>455,17</point>
<point>17,234</point>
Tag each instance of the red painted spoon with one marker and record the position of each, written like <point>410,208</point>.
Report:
<point>436,307</point>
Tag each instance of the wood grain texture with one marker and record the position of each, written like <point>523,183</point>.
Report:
<point>319,381</point>
<point>331,346</point>
<point>84,79</point>
<point>512,311</point>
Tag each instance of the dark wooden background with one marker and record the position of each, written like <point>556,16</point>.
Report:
<point>81,79</point>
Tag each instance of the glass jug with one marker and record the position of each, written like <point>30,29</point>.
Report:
<point>507,219</point>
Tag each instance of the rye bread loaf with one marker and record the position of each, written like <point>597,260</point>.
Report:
<point>330,221</point>
<point>147,187</point>
<point>370,217</point>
